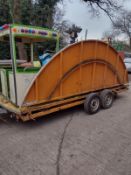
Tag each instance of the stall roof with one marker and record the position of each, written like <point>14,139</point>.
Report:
<point>28,31</point>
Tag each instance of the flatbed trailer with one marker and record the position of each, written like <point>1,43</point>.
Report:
<point>88,72</point>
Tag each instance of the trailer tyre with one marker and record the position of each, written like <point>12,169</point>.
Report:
<point>107,98</point>
<point>92,103</point>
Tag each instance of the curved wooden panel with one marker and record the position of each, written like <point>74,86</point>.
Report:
<point>79,68</point>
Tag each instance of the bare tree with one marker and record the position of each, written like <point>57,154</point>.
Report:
<point>112,34</point>
<point>122,25</point>
<point>73,31</point>
<point>108,6</point>
<point>61,25</point>
<point>68,30</point>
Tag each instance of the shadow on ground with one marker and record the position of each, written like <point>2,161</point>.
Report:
<point>44,120</point>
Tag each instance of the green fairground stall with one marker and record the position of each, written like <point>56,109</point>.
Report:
<point>21,47</point>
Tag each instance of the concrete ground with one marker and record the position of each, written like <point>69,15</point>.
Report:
<point>69,142</point>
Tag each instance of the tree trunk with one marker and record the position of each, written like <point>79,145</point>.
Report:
<point>17,11</point>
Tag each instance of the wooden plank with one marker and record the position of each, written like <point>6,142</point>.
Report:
<point>43,113</point>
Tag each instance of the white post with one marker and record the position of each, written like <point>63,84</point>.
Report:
<point>86,32</point>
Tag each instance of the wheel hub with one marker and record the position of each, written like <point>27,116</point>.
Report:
<point>94,104</point>
<point>108,99</point>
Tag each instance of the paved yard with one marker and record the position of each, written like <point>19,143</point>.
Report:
<point>69,143</point>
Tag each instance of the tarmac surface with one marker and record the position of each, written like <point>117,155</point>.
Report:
<point>69,142</point>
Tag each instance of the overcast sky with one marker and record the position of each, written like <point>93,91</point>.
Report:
<point>78,13</point>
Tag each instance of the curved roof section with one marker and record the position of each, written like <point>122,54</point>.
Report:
<point>28,31</point>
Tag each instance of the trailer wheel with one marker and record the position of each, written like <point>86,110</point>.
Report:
<point>92,103</point>
<point>107,98</point>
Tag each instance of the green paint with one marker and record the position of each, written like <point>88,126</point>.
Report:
<point>14,52</point>
<point>50,32</point>
<point>13,57</point>
<point>35,36</point>
<point>33,27</point>
<point>28,70</point>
